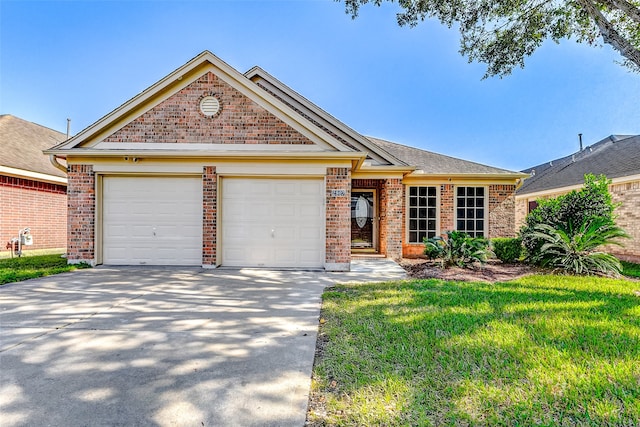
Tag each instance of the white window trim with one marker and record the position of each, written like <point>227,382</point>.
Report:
<point>406,211</point>
<point>486,207</point>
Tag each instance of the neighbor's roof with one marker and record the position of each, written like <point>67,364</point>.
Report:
<point>439,164</point>
<point>615,156</point>
<point>22,142</point>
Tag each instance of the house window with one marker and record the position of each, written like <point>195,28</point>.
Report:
<point>470,210</point>
<point>422,213</point>
<point>532,205</point>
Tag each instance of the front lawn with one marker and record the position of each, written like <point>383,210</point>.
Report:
<point>29,267</point>
<point>541,350</point>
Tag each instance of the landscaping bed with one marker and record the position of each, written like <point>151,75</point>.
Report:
<point>492,271</point>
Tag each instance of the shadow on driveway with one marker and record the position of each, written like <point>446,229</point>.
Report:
<point>163,346</point>
<point>158,347</point>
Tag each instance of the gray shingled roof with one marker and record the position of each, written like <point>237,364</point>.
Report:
<point>434,163</point>
<point>615,156</point>
<point>22,142</point>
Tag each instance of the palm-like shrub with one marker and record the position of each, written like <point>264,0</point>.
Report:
<point>575,207</point>
<point>576,250</point>
<point>457,249</point>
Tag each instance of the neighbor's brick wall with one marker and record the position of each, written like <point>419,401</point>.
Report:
<point>178,119</point>
<point>338,217</point>
<point>41,206</point>
<point>522,208</point>
<point>628,217</point>
<point>502,214</point>
<point>210,217</point>
<point>82,210</point>
<point>391,218</point>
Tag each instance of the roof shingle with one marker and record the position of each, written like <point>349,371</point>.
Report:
<point>22,142</point>
<point>434,163</point>
<point>615,156</point>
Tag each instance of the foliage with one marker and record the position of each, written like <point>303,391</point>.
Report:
<point>575,251</point>
<point>457,249</point>
<point>503,33</point>
<point>565,211</point>
<point>630,269</point>
<point>507,249</point>
<point>30,267</point>
<point>544,350</point>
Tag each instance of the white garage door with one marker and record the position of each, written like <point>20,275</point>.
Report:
<point>152,221</point>
<point>273,222</point>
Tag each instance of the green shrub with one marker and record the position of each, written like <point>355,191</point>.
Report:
<point>507,249</point>
<point>575,250</point>
<point>566,211</point>
<point>457,249</point>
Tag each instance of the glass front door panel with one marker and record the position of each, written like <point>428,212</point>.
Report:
<point>362,220</point>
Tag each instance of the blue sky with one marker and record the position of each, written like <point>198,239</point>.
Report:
<point>82,59</point>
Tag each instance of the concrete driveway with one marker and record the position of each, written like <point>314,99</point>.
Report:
<point>163,346</point>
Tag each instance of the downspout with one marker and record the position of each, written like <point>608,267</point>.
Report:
<point>54,161</point>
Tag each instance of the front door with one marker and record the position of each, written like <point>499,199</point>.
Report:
<point>364,224</point>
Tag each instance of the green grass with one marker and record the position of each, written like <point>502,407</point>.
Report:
<point>29,267</point>
<point>630,269</point>
<point>543,350</point>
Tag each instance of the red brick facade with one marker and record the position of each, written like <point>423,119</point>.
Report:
<point>338,219</point>
<point>209,216</point>
<point>502,211</point>
<point>41,206</point>
<point>81,214</point>
<point>391,214</point>
<point>501,214</point>
<point>178,119</point>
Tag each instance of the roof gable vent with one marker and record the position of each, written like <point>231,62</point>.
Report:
<point>209,106</point>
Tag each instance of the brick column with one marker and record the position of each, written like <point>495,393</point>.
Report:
<point>81,203</point>
<point>338,219</point>
<point>391,207</point>
<point>209,216</point>
<point>502,210</point>
<point>447,216</point>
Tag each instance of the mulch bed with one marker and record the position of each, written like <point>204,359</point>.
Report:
<point>493,271</point>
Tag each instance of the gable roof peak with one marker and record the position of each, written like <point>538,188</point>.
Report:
<point>178,79</point>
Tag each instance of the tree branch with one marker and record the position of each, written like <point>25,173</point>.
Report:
<point>627,8</point>
<point>609,33</point>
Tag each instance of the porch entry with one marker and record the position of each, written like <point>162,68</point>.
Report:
<point>364,221</point>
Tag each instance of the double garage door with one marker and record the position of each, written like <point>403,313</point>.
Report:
<point>263,222</point>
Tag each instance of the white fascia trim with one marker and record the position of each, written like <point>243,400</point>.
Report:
<point>241,155</point>
<point>115,146</point>
<point>320,113</point>
<point>36,176</point>
<point>418,174</point>
<point>566,189</point>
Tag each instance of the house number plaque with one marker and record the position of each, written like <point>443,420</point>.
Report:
<point>338,193</point>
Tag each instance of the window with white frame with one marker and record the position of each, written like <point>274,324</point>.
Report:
<point>422,213</point>
<point>470,210</point>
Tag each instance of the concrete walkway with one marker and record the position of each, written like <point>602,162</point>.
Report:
<point>164,346</point>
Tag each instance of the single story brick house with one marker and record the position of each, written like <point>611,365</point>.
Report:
<point>617,157</point>
<point>213,167</point>
<point>33,193</point>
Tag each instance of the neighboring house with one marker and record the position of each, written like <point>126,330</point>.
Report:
<point>617,157</point>
<point>33,193</point>
<point>213,167</point>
